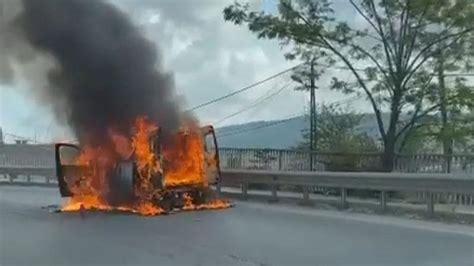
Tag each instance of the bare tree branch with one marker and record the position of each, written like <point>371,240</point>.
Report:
<point>369,35</point>
<point>373,59</point>
<point>430,45</point>
<point>387,48</point>
<point>418,26</point>
<point>410,130</point>
<point>402,36</point>
<point>412,71</point>
<point>418,105</point>
<point>357,8</point>
<point>415,118</point>
<point>423,89</point>
<point>290,8</point>
<point>391,28</point>
<point>365,88</point>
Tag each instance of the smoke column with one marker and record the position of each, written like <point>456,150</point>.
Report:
<point>105,72</point>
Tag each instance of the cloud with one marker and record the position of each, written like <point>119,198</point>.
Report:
<point>210,58</point>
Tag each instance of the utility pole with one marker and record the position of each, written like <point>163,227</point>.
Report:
<point>312,131</point>
<point>446,128</point>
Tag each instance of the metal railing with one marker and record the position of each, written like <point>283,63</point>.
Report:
<point>42,156</point>
<point>430,184</point>
<point>435,163</point>
<point>28,175</point>
<point>296,160</point>
<point>25,155</point>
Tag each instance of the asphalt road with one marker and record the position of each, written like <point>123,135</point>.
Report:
<point>249,234</point>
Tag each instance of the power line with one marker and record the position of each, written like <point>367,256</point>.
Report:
<point>458,75</point>
<point>23,138</point>
<point>344,101</point>
<point>258,101</point>
<point>347,100</point>
<point>30,139</point>
<point>237,132</point>
<point>255,103</point>
<point>362,69</point>
<point>244,89</point>
<point>285,71</point>
<point>45,146</point>
<point>338,67</point>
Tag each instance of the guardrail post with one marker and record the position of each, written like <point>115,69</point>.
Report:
<point>28,178</point>
<point>274,193</point>
<point>280,152</point>
<point>10,178</point>
<point>383,200</point>
<point>343,198</point>
<point>244,189</point>
<point>430,203</point>
<point>47,179</point>
<point>305,194</point>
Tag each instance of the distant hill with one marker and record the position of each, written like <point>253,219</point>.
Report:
<point>279,134</point>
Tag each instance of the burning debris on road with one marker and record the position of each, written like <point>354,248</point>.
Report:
<point>138,152</point>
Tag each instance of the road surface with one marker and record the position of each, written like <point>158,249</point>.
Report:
<point>249,234</point>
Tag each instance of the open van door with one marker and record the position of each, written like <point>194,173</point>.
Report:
<point>68,172</point>
<point>213,171</point>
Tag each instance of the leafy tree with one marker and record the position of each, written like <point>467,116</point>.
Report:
<point>389,58</point>
<point>451,125</point>
<point>338,133</point>
<point>458,132</point>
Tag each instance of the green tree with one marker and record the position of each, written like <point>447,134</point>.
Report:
<point>338,131</point>
<point>453,126</point>
<point>455,135</point>
<point>450,125</point>
<point>389,58</point>
<point>338,134</point>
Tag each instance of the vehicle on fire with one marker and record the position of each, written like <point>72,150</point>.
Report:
<point>123,179</point>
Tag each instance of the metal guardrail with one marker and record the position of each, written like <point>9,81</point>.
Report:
<point>383,182</point>
<point>429,183</point>
<point>13,171</point>
<point>29,174</point>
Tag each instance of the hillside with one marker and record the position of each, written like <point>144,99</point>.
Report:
<point>278,134</point>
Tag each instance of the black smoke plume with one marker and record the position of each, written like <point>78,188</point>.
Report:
<point>106,72</point>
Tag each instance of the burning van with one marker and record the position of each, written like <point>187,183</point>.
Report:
<point>150,173</point>
<point>138,151</point>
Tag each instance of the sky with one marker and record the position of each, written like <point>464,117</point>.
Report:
<point>208,57</point>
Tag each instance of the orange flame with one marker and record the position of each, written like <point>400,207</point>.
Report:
<point>147,164</point>
<point>184,163</point>
<point>185,159</point>
<point>211,204</point>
